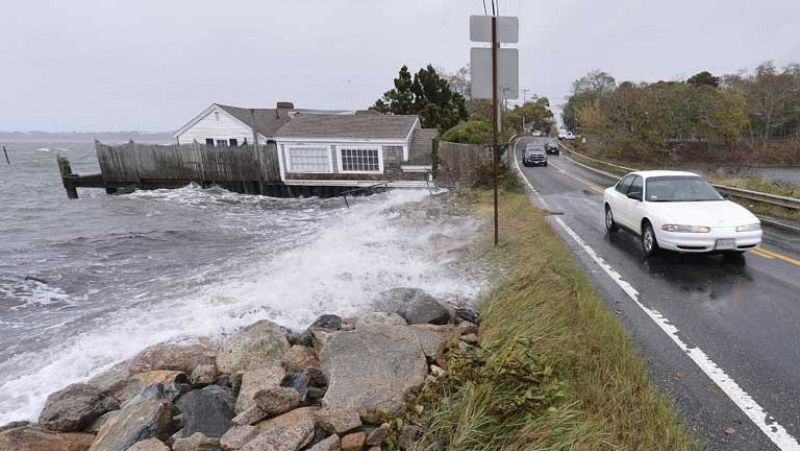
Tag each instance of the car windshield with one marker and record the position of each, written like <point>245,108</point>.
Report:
<point>680,189</point>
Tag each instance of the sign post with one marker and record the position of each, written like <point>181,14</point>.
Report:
<point>502,78</point>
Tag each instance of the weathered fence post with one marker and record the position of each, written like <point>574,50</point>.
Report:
<point>66,177</point>
<point>6,154</point>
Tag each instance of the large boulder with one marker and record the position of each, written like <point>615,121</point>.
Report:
<point>329,323</point>
<point>380,319</point>
<point>208,411</point>
<point>332,443</point>
<point>148,415</point>
<point>298,358</point>
<point>277,400</point>
<point>337,421</point>
<point>259,343</point>
<point>413,304</point>
<point>112,379</point>
<point>75,407</point>
<point>431,337</point>
<point>29,438</point>
<point>257,379</point>
<point>175,357</point>
<point>174,382</point>
<point>238,436</point>
<point>284,434</point>
<point>196,442</point>
<point>372,367</point>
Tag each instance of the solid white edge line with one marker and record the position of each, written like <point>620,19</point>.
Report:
<point>774,431</point>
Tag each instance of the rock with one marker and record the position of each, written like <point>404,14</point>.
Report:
<point>431,337</point>
<point>259,343</point>
<point>208,411</point>
<point>378,436</point>
<point>250,416</point>
<point>204,375</point>
<point>381,413</point>
<point>315,394</point>
<point>470,339</point>
<point>354,441</point>
<point>175,383</point>
<point>112,379</point>
<point>174,357</point>
<point>372,367</point>
<point>331,443</point>
<point>337,421</point>
<point>277,400</point>
<point>237,437</point>
<point>288,419</point>
<point>94,428</point>
<point>298,358</point>
<point>413,304</point>
<point>409,435</point>
<point>146,416</point>
<point>466,327</point>
<point>468,315</point>
<point>329,323</point>
<point>437,371</point>
<point>29,438</point>
<point>283,438</point>
<point>316,377</point>
<point>151,444</point>
<point>75,407</point>
<point>257,379</point>
<point>349,323</point>
<point>297,381</point>
<point>196,442</point>
<point>14,424</point>
<point>319,338</point>
<point>380,319</point>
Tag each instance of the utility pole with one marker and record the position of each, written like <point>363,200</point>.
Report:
<point>495,150</point>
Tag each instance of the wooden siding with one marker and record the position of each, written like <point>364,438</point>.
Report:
<point>226,127</point>
<point>459,164</point>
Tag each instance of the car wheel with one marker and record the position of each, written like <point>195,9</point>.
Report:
<point>611,226</point>
<point>558,153</point>
<point>545,165</point>
<point>649,242</point>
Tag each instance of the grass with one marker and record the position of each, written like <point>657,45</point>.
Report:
<point>555,370</point>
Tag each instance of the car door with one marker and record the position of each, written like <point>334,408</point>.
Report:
<point>619,200</point>
<point>634,208</point>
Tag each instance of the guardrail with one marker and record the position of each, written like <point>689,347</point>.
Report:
<point>755,196</point>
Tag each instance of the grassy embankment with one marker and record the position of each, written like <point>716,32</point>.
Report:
<point>750,182</point>
<point>555,369</point>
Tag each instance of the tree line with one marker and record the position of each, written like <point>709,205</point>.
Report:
<point>642,119</point>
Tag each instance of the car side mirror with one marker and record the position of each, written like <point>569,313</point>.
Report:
<point>636,195</point>
<point>723,192</point>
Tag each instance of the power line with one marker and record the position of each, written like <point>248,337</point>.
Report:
<point>484,8</point>
<point>493,10</point>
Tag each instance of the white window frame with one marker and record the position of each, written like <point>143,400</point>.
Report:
<point>288,152</point>
<point>339,161</point>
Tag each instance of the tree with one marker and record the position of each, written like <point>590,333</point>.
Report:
<point>428,94</point>
<point>585,91</point>
<point>536,113</point>
<point>704,78</point>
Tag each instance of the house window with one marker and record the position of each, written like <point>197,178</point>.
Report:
<point>309,159</point>
<point>210,142</point>
<point>360,159</point>
<point>233,142</point>
<point>222,143</point>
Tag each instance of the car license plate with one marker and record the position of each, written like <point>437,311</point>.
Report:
<point>726,244</point>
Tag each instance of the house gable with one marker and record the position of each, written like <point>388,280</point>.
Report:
<point>217,124</point>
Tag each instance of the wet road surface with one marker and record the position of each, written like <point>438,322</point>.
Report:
<point>739,319</point>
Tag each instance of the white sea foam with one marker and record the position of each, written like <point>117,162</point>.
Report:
<point>378,244</point>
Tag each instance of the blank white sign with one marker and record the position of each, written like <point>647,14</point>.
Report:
<point>480,66</point>
<point>480,29</point>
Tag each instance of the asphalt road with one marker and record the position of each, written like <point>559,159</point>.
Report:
<point>722,337</point>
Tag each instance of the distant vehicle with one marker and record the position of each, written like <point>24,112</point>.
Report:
<point>534,155</point>
<point>565,135</point>
<point>537,133</point>
<point>679,211</point>
<point>551,146</point>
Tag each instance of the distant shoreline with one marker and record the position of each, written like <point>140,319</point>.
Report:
<point>122,136</point>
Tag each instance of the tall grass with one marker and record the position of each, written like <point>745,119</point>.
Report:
<point>554,370</point>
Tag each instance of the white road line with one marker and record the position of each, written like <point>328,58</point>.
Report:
<point>764,421</point>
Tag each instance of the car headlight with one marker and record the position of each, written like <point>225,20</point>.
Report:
<point>685,228</point>
<point>749,227</point>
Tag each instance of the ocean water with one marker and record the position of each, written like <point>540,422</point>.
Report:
<point>87,283</point>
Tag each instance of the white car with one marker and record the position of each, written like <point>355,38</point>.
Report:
<point>679,211</point>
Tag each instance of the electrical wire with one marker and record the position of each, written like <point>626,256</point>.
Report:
<point>484,8</point>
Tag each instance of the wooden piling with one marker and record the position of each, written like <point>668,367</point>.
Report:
<point>66,177</point>
<point>6,154</point>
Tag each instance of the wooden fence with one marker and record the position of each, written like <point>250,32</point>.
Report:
<point>144,164</point>
<point>464,165</point>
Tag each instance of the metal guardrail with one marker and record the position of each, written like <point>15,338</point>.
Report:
<point>791,203</point>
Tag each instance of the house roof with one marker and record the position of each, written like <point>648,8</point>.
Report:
<point>267,120</point>
<point>420,152</point>
<point>357,126</point>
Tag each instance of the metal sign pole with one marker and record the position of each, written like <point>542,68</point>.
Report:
<point>494,123</point>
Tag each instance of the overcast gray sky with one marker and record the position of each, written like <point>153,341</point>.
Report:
<point>154,64</point>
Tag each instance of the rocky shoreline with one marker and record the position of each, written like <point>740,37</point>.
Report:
<point>338,385</point>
